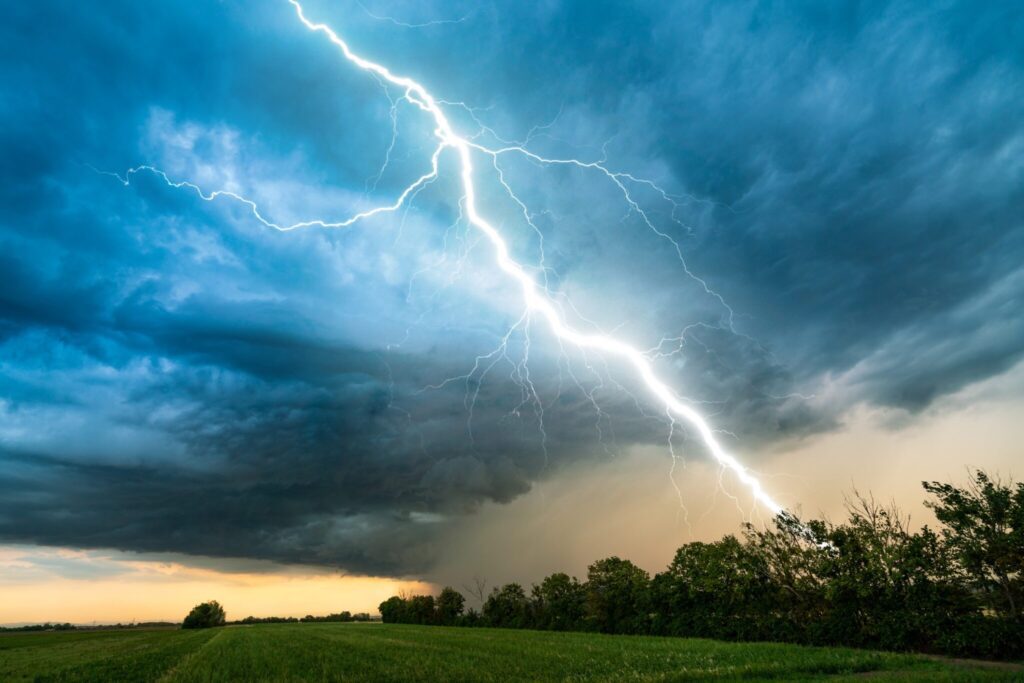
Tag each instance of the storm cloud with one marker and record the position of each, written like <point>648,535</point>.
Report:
<point>845,188</point>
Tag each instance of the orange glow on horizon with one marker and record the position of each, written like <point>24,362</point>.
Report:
<point>32,590</point>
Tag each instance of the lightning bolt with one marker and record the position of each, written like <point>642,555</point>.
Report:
<point>537,299</point>
<point>406,24</point>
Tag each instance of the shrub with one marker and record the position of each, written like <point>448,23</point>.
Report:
<point>205,615</point>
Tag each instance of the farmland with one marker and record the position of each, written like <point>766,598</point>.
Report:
<point>378,652</point>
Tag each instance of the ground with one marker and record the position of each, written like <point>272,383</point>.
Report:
<point>379,652</point>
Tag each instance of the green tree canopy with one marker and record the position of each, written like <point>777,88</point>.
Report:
<point>559,603</point>
<point>205,615</point>
<point>617,596</point>
<point>984,526</point>
<point>450,604</point>
<point>507,607</point>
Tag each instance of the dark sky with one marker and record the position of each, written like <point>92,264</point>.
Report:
<point>844,181</point>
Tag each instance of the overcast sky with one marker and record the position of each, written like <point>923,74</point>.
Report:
<point>829,268</point>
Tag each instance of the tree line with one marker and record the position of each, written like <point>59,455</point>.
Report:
<point>41,627</point>
<point>870,582</point>
<point>67,626</point>
<point>344,617</point>
<point>211,614</point>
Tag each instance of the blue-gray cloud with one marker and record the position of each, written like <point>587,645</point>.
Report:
<point>174,377</point>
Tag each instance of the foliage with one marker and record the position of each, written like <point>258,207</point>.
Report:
<point>984,526</point>
<point>507,607</point>
<point>721,589</point>
<point>393,610</point>
<point>267,620</point>
<point>559,603</point>
<point>617,596</point>
<point>450,604</point>
<point>205,615</point>
<point>871,582</point>
<point>40,627</point>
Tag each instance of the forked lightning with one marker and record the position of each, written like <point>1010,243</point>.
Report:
<point>536,298</point>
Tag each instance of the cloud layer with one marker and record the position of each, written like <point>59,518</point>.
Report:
<point>845,190</point>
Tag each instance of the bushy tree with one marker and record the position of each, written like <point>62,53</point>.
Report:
<point>471,618</point>
<point>420,609</point>
<point>885,586</point>
<point>507,607</point>
<point>450,604</point>
<point>984,527</point>
<point>393,610</point>
<point>205,615</point>
<point>617,597</point>
<point>720,589</point>
<point>791,552</point>
<point>559,603</point>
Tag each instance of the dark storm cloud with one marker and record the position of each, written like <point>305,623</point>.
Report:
<point>176,379</point>
<point>287,470</point>
<point>871,159</point>
<point>859,166</point>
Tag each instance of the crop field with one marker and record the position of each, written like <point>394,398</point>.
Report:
<point>378,652</point>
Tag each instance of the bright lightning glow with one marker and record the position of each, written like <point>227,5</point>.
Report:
<point>536,297</point>
<point>537,302</point>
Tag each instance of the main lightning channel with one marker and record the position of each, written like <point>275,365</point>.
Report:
<point>535,300</point>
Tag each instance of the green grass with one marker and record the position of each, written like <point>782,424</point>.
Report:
<point>377,652</point>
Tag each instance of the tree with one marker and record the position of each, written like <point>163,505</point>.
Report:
<point>421,609</point>
<point>617,596</point>
<point>559,603</point>
<point>393,610</point>
<point>450,604</point>
<point>205,615</point>
<point>792,554</point>
<point>471,618</point>
<point>717,589</point>
<point>984,527</point>
<point>886,586</point>
<point>870,581</point>
<point>507,607</point>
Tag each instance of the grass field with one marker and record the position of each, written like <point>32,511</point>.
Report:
<point>377,652</point>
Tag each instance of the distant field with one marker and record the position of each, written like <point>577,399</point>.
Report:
<point>377,652</point>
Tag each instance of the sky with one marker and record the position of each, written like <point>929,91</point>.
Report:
<point>821,250</point>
